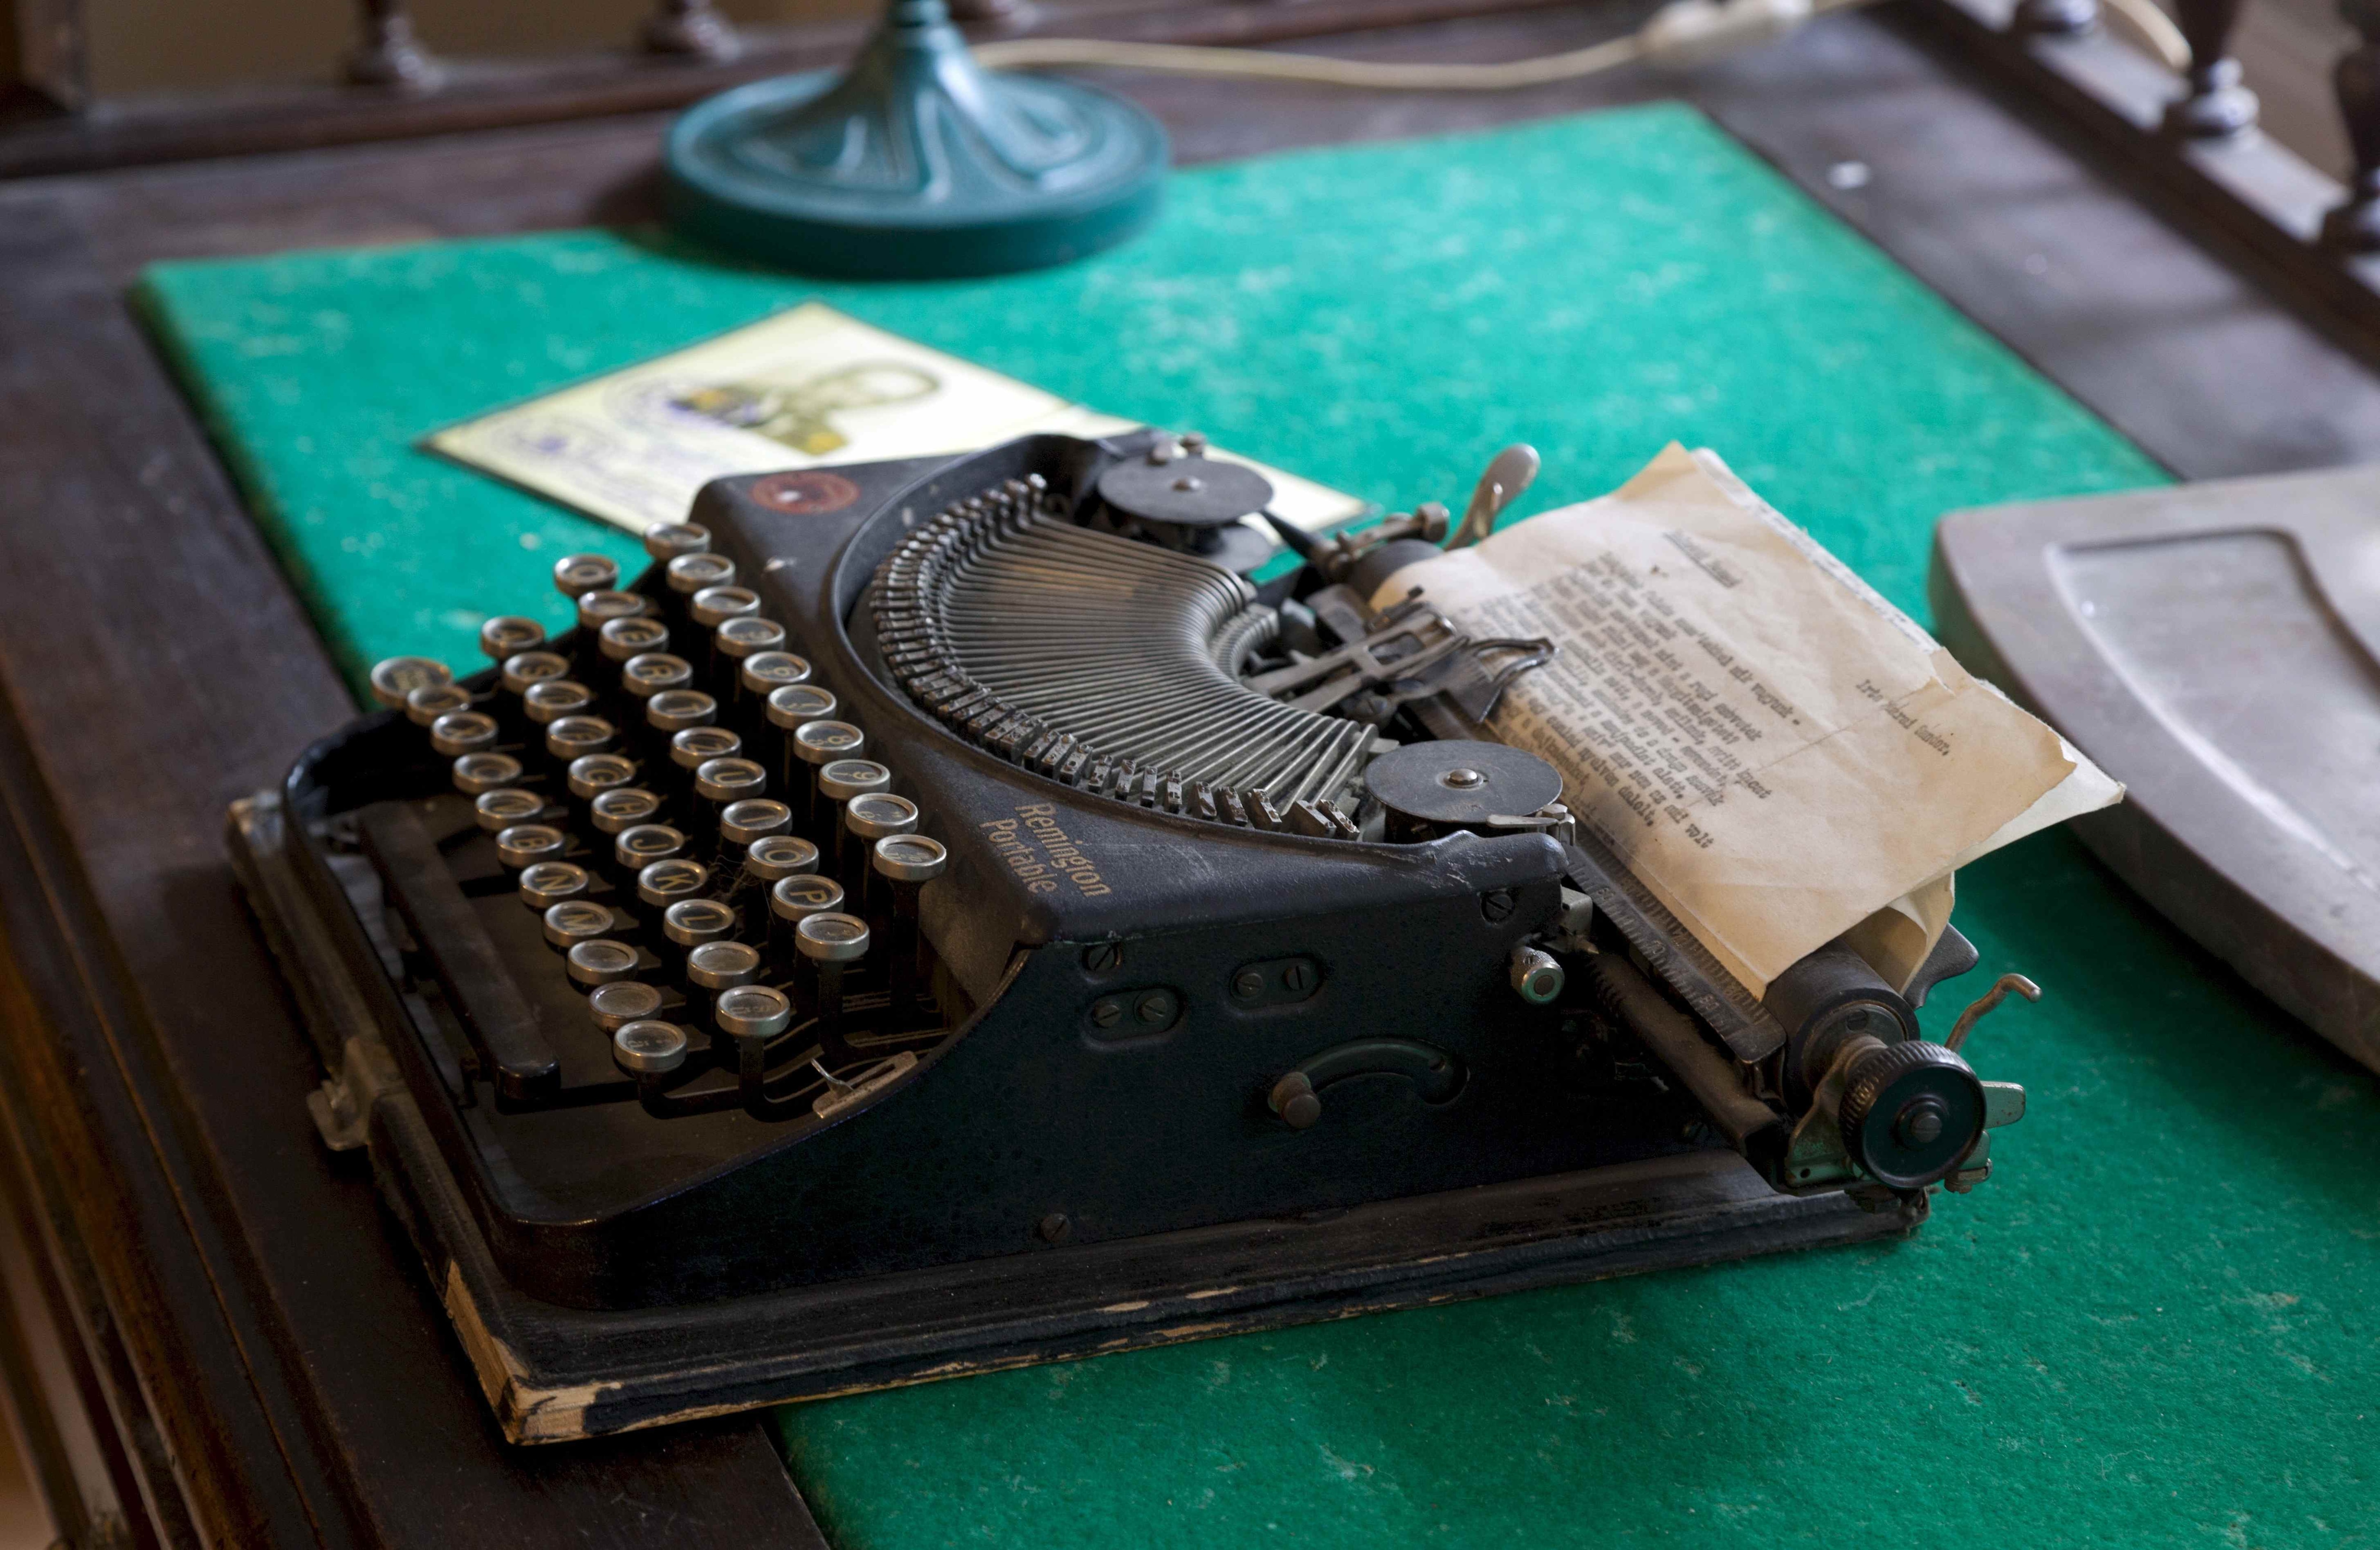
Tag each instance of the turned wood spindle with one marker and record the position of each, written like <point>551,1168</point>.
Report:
<point>691,28</point>
<point>2354,227</point>
<point>2054,18</point>
<point>2216,105</point>
<point>389,54</point>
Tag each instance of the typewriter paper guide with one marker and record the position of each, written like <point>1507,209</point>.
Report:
<point>1779,752</point>
<point>808,388</point>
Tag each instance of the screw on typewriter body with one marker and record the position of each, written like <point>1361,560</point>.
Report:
<point>649,1050</point>
<point>873,816</point>
<point>572,738</point>
<point>394,677</point>
<point>750,1016</point>
<point>793,900</point>
<point>508,635</point>
<point>665,882</point>
<point>546,884</point>
<point>907,863</point>
<point>815,744</point>
<point>577,575</point>
<point>503,806</point>
<point>737,642</point>
<point>572,920</point>
<point>478,774</point>
<point>460,732</point>
<point>789,708</point>
<point>621,1002</point>
<point>430,701</point>
<point>600,962</point>
<point>545,703</point>
<point>831,943</point>
<point>524,843</point>
<point>1497,905</point>
<point>667,541</point>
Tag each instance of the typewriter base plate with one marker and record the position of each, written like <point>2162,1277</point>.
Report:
<point>556,1374</point>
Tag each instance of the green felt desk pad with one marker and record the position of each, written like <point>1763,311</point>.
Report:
<point>2151,1327</point>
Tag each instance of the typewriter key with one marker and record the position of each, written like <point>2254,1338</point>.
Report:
<point>721,781</point>
<point>623,639</point>
<point>815,744</point>
<point>774,858</point>
<point>478,772</point>
<point>620,1002</point>
<point>648,1048</point>
<point>594,774</point>
<point>751,1015</point>
<point>508,635</point>
<point>395,677</point>
<point>618,808</point>
<point>794,703</point>
<point>765,672</point>
<point>907,863</point>
<point>717,966</point>
<point>572,920</point>
<point>525,843</point>
<point>524,668</point>
<point>846,778</point>
<point>690,922</point>
<point>713,607</point>
<point>637,848</point>
<point>664,883</point>
<point>831,943</point>
<point>741,823</point>
<point>544,884</point>
<point>674,710</point>
<point>748,635</point>
<point>597,609</point>
<point>505,806</point>
<point>572,738</point>
<point>460,732</point>
<point>601,962</point>
<point>689,574</point>
<point>698,746</point>
<point>793,900</point>
<point>430,701</point>
<point>667,541</point>
<point>548,702</point>
<point>576,575</point>
<point>645,675</point>
<point>866,819</point>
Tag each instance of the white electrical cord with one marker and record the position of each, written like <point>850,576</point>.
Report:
<point>1682,33</point>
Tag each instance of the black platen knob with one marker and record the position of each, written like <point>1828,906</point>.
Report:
<point>1910,1112</point>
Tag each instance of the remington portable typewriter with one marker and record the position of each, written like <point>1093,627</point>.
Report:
<point>944,914</point>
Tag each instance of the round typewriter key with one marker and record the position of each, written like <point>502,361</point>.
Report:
<point>823,742</point>
<point>509,634</point>
<point>698,746</point>
<point>667,541</point>
<point>525,843</point>
<point>395,677</point>
<point>829,944</point>
<point>689,574</point>
<point>602,962</point>
<point>477,773</point>
<point>549,701</point>
<point>643,843</point>
<point>430,701</point>
<point>664,883</point>
<point>746,635</point>
<point>575,575</point>
<point>796,704</point>
<point>621,1002</point>
<point>752,1012</point>
<point>674,710</point>
<point>649,1047</point>
<point>524,668</point>
<point>713,607</point>
<point>618,808</point>
<point>741,823</point>
<point>723,965</point>
<point>729,780</point>
<point>766,672</point>
<point>653,672</point>
<point>775,858</point>
<point>846,778</point>
<point>572,738</point>
<point>690,922</point>
<point>544,884</point>
<point>505,806</point>
<point>623,639</point>
<point>803,895</point>
<point>598,609</point>
<point>878,814</point>
<point>460,732</point>
<point>910,859</point>
<point>573,920</point>
<point>593,773</point>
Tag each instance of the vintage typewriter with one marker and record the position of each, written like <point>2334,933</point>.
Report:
<point>945,914</point>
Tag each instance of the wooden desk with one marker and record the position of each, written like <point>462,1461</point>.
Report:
<point>256,1357</point>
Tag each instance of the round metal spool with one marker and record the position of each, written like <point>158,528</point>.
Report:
<point>1433,787</point>
<point>1186,492</point>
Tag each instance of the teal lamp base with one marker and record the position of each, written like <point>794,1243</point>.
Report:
<point>914,163</point>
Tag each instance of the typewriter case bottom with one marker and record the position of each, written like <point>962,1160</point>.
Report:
<point>1039,1178</point>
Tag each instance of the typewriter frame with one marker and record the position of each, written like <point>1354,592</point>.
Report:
<point>554,1373</point>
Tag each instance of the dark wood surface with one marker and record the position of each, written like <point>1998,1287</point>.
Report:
<point>268,1350</point>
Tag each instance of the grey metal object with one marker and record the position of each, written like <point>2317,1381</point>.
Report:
<point>1509,473</point>
<point>2217,648</point>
